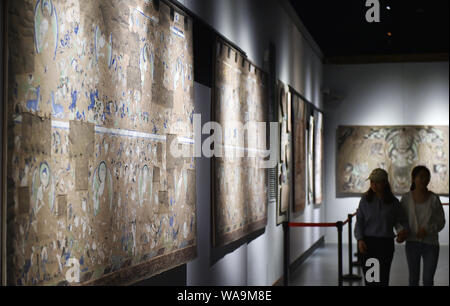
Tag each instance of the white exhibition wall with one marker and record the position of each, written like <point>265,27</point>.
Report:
<point>380,94</point>
<point>252,25</point>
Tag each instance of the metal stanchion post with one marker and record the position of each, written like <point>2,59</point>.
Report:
<point>350,276</point>
<point>339,228</point>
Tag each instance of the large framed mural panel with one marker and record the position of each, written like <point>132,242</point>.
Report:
<point>284,167</point>
<point>397,149</point>
<point>318,157</point>
<point>299,152</point>
<point>310,158</point>
<point>98,93</point>
<point>239,195</point>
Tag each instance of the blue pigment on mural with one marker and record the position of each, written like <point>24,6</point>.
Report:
<point>64,42</point>
<point>27,266</point>
<point>74,100</point>
<point>81,115</point>
<point>93,96</point>
<point>58,109</point>
<point>122,114</point>
<point>67,255</point>
<point>34,104</point>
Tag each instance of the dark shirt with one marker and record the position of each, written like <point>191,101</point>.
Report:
<point>377,219</point>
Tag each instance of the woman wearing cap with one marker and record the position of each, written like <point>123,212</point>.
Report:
<point>378,213</point>
<point>426,219</point>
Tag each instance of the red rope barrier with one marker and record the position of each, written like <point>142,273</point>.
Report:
<point>296,224</point>
<point>312,224</point>
<point>444,204</point>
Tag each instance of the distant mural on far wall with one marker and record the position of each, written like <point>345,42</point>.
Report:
<point>397,149</point>
<point>239,183</point>
<point>98,91</point>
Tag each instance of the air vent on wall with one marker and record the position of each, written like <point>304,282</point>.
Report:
<point>273,190</point>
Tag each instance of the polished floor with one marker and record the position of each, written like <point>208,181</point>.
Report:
<point>321,268</point>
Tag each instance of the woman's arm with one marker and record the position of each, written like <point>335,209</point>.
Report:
<point>437,218</point>
<point>360,221</point>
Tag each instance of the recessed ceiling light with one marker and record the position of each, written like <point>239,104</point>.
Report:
<point>388,7</point>
<point>389,34</point>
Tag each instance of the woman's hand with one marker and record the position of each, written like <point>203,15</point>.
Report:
<point>362,247</point>
<point>402,235</point>
<point>421,233</point>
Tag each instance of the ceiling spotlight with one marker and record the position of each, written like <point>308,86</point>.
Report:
<point>388,7</point>
<point>389,34</point>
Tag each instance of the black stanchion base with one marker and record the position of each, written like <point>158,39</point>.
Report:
<point>356,264</point>
<point>351,277</point>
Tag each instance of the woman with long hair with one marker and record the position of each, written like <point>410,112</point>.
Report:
<point>426,219</point>
<point>378,213</point>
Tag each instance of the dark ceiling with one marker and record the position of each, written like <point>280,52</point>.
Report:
<point>410,27</point>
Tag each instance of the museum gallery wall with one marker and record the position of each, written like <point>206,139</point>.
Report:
<point>239,183</point>
<point>98,91</point>
<point>285,166</point>
<point>397,149</point>
<point>299,108</point>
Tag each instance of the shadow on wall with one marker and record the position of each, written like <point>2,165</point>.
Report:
<point>220,252</point>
